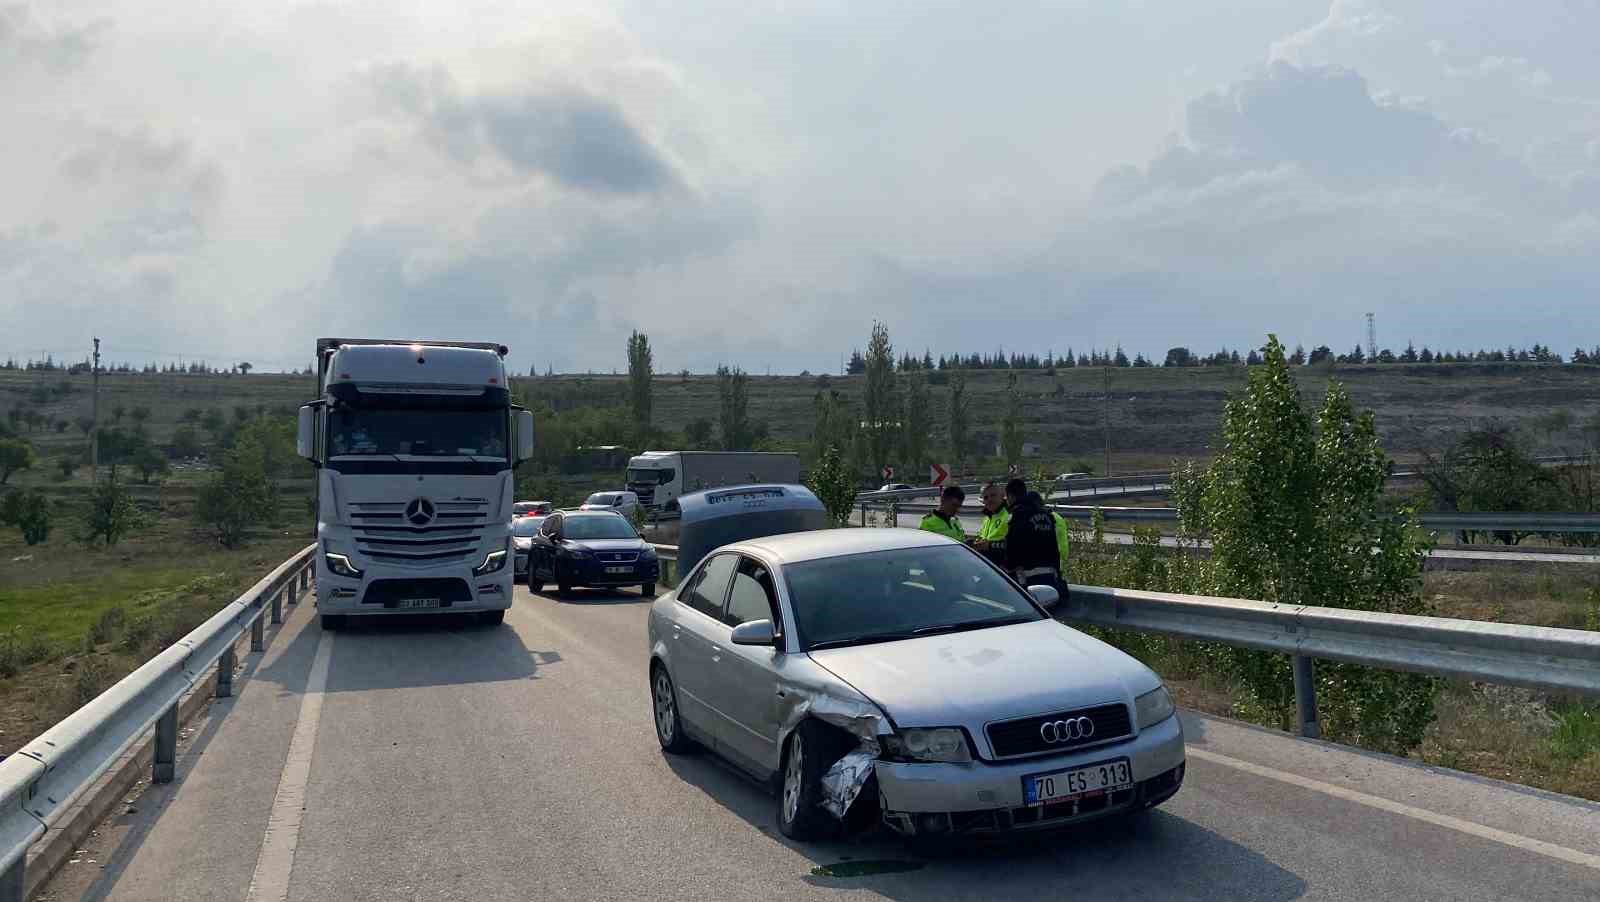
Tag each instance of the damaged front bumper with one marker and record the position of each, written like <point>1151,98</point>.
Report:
<point>982,796</point>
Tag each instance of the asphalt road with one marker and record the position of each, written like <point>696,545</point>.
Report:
<point>451,761</point>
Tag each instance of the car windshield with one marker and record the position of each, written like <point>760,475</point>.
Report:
<point>901,594</point>
<point>606,498</point>
<point>526,527</point>
<point>357,432</point>
<point>607,527</point>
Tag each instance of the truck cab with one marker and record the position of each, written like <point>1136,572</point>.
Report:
<point>414,444</point>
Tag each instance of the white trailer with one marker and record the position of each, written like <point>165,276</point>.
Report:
<point>659,477</point>
<point>414,444</point>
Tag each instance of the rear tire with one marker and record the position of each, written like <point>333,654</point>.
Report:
<point>808,754</point>
<point>648,590</point>
<point>664,704</point>
<point>331,622</point>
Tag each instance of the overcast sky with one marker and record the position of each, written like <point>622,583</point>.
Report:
<point>754,182</point>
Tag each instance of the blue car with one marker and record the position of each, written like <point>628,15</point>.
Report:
<point>596,549</point>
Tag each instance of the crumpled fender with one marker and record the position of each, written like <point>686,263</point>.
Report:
<point>841,783</point>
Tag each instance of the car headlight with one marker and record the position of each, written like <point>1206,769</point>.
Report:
<point>576,554</point>
<point>1153,707</point>
<point>340,565</point>
<point>648,554</point>
<point>948,744</point>
<point>493,561</point>
<point>522,544</point>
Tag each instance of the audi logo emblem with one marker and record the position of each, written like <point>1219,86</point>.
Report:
<point>1070,730</point>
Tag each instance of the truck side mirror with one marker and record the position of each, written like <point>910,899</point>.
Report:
<point>305,438</point>
<point>524,435</point>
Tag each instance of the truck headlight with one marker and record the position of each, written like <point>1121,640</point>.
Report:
<point>492,562</point>
<point>1153,707</point>
<point>946,744</point>
<point>340,565</point>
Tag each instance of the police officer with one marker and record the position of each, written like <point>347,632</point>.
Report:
<point>944,520</point>
<point>1032,553</point>
<point>991,541</point>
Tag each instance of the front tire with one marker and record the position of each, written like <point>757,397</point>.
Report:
<point>648,590</point>
<point>664,704</point>
<point>331,622</point>
<point>806,757</point>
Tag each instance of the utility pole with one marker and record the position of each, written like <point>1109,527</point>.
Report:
<point>1105,417</point>
<point>94,416</point>
<point>1372,339</point>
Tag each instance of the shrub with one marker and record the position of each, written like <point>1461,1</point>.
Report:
<point>108,626</point>
<point>28,511</point>
<point>111,515</point>
<point>18,651</point>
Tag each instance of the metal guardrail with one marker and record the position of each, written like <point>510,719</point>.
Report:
<point>40,782</point>
<point>1544,658</point>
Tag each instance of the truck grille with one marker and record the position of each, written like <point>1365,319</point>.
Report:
<point>383,533</point>
<point>1015,738</point>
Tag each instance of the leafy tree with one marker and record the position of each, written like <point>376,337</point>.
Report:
<point>1011,423</point>
<point>960,420</point>
<point>733,395</point>
<point>118,412</point>
<point>85,425</point>
<point>192,416</point>
<point>1298,358</point>
<point>111,515</point>
<point>1120,359</point>
<point>835,423</point>
<point>698,433</point>
<point>1489,469</point>
<point>141,416</point>
<point>186,443</point>
<point>15,455</point>
<point>150,463</point>
<point>640,371</point>
<point>881,400</point>
<point>834,485</point>
<point>245,368</point>
<point>1295,513</point>
<point>1179,357</point>
<point>29,512</point>
<point>213,422</point>
<point>857,365</point>
<point>238,495</point>
<point>918,423</point>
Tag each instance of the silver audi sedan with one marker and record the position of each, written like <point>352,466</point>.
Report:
<point>898,668</point>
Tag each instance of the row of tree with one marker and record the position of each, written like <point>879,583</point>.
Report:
<point>1183,356</point>
<point>196,368</point>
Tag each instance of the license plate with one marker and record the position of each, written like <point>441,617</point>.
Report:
<point>417,603</point>
<point>619,569</point>
<point>1066,785</point>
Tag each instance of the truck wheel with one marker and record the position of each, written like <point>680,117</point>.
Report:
<point>648,590</point>
<point>331,622</point>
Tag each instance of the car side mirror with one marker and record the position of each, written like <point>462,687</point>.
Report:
<point>1046,596</point>
<point>756,632</point>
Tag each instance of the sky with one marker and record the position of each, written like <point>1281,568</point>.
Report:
<point>753,183</point>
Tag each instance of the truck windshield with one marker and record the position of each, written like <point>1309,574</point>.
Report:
<point>363,435</point>
<point>637,476</point>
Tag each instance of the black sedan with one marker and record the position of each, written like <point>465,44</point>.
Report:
<point>597,549</point>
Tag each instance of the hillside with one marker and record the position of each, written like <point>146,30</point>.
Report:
<point>1155,414</point>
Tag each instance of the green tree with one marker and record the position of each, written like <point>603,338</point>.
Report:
<point>1011,423</point>
<point>698,433</point>
<point>213,422</point>
<point>732,391</point>
<point>29,512</point>
<point>141,417</point>
<point>960,416</point>
<point>834,485</point>
<point>641,369</point>
<point>1295,512</point>
<point>110,516</point>
<point>192,416</point>
<point>150,463</point>
<point>918,423</point>
<point>881,399</point>
<point>118,412</point>
<point>1490,469</point>
<point>186,443</point>
<point>245,368</point>
<point>15,455</point>
<point>238,495</point>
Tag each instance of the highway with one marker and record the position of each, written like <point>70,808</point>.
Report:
<point>446,761</point>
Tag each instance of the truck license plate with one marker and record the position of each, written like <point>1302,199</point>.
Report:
<point>619,569</point>
<point>1066,785</point>
<point>417,603</point>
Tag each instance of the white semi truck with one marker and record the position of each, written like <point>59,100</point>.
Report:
<point>659,477</point>
<point>414,444</point>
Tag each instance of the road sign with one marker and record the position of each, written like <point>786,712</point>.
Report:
<point>1015,469</point>
<point>937,473</point>
<point>888,472</point>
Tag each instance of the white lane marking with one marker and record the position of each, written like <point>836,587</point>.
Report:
<point>1527,844</point>
<point>270,881</point>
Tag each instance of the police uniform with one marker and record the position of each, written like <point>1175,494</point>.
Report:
<point>936,522</point>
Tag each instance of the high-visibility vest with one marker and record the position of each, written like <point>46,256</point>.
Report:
<point>938,524</point>
<point>1062,540</point>
<point>995,526</point>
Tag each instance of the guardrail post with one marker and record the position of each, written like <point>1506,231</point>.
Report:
<point>1305,697</point>
<point>258,635</point>
<point>863,513</point>
<point>13,882</point>
<point>165,765</point>
<point>225,665</point>
<point>299,583</point>
<point>277,607</point>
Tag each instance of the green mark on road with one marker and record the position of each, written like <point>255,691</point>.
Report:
<point>865,868</point>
